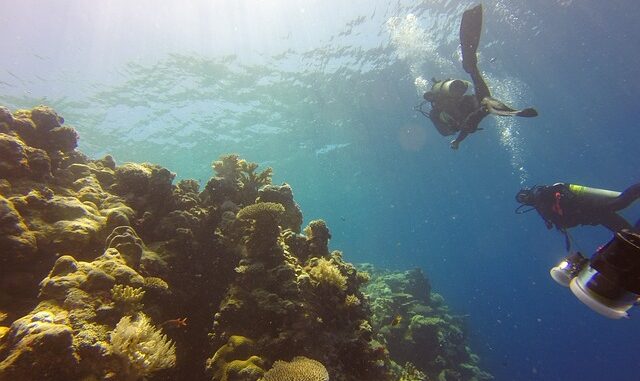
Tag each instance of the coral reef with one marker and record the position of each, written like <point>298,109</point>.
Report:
<point>418,328</point>
<point>114,272</point>
<point>80,304</point>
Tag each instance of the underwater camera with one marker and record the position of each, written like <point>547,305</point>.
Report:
<point>609,282</point>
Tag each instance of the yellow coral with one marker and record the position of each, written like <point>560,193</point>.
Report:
<point>261,211</point>
<point>299,369</point>
<point>325,273</point>
<point>229,360</point>
<point>128,297</point>
<point>351,301</point>
<point>154,283</point>
<point>410,373</point>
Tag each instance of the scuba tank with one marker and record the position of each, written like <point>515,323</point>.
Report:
<point>593,196</point>
<point>450,88</point>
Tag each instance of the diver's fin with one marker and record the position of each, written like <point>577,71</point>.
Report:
<point>470,29</point>
<point>527,113</point>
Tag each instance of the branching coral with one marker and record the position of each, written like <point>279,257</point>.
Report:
<point>228,167</point>
<point>299,369</point>
<point>325,274</point>
<point>410,373</point>
<point>143,348</point>
<point>252,181</point>
<point>128,298</point>
<point>236,179</point>
<point>351,301</point>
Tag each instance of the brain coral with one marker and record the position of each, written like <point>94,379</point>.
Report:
<point>299,369</point>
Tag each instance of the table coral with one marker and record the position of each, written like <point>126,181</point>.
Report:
<point>266,229</point>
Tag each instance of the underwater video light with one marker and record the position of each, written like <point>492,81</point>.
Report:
<point>608,283</point>
<point>568,269</point>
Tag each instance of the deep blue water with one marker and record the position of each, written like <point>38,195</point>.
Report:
<point>324,92</point>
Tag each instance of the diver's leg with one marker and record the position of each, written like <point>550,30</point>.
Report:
<point>627,197</point>
<point>615,222</point>
<point>472,120</point>
<point>496,107</point>
<point>480,86</point>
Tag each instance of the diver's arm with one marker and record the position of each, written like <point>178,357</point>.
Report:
<point>456,142</point>
<point>547,222</point>
<point>615,222</point>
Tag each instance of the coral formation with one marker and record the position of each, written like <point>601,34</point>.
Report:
<point>325,274</point>
<point>298,369</point>
<point>96,258</point>
<point>282,194</point>
<point>235,361</point>
<point>235,180</point>
<point>127,298</point>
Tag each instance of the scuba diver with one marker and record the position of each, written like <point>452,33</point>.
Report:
<point>609,281</point>
<point>451,110</point>
<point>567,205</point>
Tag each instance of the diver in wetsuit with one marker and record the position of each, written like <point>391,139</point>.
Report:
<point>451,110</point>
<point>566,205</point>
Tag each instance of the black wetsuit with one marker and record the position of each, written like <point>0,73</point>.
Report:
<point>564,209</point>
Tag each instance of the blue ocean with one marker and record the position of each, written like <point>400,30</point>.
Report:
<point>325,93</point>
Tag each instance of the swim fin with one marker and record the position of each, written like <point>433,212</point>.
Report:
<point>527,113</point>
<point>470,30</point>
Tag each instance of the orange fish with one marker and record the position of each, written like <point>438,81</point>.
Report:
<point>175,323</point>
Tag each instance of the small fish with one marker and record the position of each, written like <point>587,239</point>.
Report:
<point>396,321</point>
<point>175,323</point>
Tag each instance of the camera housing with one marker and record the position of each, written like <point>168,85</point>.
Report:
<point>609,282</point>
